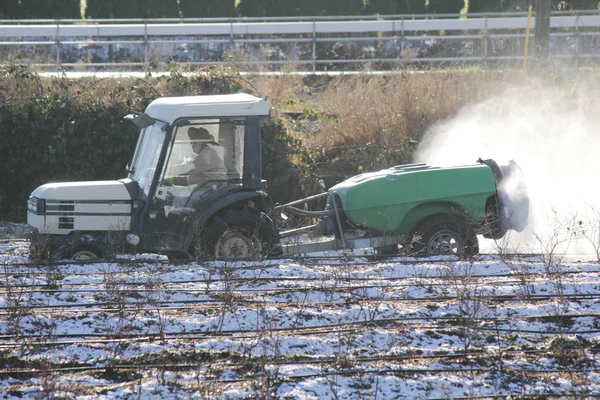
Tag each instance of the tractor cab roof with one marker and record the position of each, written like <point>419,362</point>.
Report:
<point>169,109</point>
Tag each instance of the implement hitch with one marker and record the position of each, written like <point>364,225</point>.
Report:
<point>342,240</point>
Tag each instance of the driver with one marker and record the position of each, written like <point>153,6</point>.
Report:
<point>208,164</point>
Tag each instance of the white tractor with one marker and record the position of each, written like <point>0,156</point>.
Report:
<point>193,188</point>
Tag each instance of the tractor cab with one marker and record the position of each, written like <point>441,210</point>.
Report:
<point>193,164</point>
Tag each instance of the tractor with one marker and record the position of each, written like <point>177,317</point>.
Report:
<point>169,203</point>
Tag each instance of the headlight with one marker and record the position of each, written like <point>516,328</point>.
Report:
<point>36,206</point>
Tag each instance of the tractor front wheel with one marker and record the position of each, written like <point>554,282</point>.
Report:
<point>239,243</point>
<point>78,253</point>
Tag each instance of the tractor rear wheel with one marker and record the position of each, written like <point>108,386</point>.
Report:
<point>240,234</point>
<point>446,235</point>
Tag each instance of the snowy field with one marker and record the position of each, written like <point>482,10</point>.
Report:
<point>319,328</point>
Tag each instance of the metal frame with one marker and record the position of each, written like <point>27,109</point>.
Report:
<point>307,213</point>
<point>392,30</point>
<point>345,242</point>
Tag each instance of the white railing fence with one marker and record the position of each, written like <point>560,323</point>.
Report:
<point>332,43</point>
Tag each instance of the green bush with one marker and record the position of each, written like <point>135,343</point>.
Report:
<point>50,134</point>
<point>288,167</point>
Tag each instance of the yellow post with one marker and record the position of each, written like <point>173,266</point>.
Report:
<point>527,38</point>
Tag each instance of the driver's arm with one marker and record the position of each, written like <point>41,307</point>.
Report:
<point>181,180</point>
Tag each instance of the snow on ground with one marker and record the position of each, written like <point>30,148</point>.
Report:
<point>314,328</point>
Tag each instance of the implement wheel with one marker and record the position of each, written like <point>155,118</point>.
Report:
<point>446,235</point>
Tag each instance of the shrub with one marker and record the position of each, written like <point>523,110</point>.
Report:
<point>51,132</point>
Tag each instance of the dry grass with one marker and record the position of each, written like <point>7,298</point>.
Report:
<point>283,87</point>
<point>388,110</point>
<point>364,122</point>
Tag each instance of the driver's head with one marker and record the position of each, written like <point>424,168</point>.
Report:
<point>200,138</point>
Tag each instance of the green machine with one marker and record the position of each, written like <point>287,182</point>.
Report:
<point>418,209</point>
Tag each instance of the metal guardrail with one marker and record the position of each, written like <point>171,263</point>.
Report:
<point>342,43</point>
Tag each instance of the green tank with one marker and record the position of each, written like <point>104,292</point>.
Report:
<point>443,206</point>
<point>395,199</point>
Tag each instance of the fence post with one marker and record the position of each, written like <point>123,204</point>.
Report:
<point>314,45</point>
<point>402,41</point>
<point>146,50</point>
<point>527,30</point>
<point>485,42</point>
<point>231,40</point>
<point>577,39</point>
<point>57,46</point>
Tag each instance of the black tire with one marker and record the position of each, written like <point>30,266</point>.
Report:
<point>446,235</point>
<point>238,234</point>
<point>78,253</point>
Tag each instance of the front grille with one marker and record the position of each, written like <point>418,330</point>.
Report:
<point>65,219</point>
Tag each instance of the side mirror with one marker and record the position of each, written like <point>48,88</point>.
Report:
<point>140,120</point>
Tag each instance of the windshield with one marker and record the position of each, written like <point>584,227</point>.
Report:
<point>146,156</point>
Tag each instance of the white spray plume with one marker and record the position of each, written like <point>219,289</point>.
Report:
<point>554,135</point>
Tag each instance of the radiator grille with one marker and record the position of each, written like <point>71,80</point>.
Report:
<point>65,219</point>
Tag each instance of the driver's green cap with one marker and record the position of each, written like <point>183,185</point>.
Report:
<point>200,133</point>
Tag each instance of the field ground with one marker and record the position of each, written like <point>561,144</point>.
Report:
<point>323,328</point>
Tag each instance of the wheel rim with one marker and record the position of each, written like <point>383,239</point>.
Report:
<point>444,243</point>
<point>237,245</point>
<point>85,255</point>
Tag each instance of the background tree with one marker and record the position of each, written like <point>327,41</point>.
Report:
<point>445,6</point>
<point>568,5</point>
<point>342,7</point>
<point>384,7</point>
<point>481,6</point>
<point>311,8</point>
<point>161,8</point>
<point>269,8</point>
<point>10,9</point>
<point>131,9</point>
<point>112,9</point>
<point>207,8</point>
<point>296,8</point>
<point>53,9</point>
<point>257,8</point>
